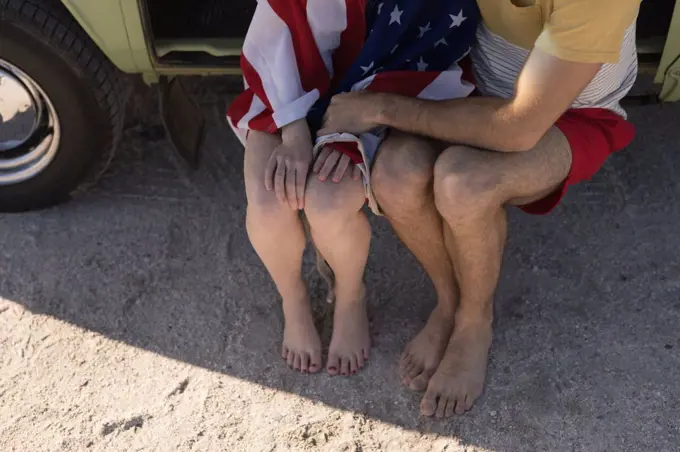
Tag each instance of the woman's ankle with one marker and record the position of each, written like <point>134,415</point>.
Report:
<point>294,294</point>
<point>349,294</point>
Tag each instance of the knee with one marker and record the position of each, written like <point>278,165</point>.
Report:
<point>463,184</point>
<point>403,172</point>
<point>328,204</point>
<point>263,207</point>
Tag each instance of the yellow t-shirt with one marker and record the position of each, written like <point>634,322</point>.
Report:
<point>589,31</point>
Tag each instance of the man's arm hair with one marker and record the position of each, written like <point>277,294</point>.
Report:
<point>545,89</point>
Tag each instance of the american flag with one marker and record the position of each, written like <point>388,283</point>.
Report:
<point>299,53</point>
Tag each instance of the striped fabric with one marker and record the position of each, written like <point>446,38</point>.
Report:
<point>299,53</point>
<point>497,63</point>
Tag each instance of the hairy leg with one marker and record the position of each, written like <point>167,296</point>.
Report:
<point>472,188</point>
<point>341,233</point>
<point>278,237</point>
<point>403,177</point>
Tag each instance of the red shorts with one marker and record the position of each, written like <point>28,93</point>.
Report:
<point>593,134</point>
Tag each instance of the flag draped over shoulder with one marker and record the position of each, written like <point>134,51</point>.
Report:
<point>299,53</point>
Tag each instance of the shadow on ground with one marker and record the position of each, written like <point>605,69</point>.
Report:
<point>587,349</point>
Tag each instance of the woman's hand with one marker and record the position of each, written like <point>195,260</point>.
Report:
<point>288,166</point>
<point>329,160</point>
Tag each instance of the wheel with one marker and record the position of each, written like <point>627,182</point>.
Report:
<point>61,106</point>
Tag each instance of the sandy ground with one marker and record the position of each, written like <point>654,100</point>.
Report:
<point>138,318</point>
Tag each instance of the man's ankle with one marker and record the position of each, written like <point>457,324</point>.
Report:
<point>445,308</point>
<point>474,318</point>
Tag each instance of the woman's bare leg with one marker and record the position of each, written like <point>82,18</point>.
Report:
<point>277,234</point>
<point>341,232</point>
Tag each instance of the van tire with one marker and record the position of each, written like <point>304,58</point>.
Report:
<point>43,40</point>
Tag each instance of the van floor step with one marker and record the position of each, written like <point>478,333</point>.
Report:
<point>200,18</point>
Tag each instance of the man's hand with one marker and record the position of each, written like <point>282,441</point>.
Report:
<point>546,87</point>
<point>330,159</point>
<point>286,171</point>
<point>354,113</point>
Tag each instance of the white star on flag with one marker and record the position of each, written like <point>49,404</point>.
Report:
<point>395,16</point>
<point>442,41</point>
<point>457,20</point>
<point>424,30</point>
<point>422,65</point>
<point>367,69</point>
<point>380,8</point>
<point>394,49</point>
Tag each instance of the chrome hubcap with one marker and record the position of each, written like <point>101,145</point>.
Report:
<point>29,126</point>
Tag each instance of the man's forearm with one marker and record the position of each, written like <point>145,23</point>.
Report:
<point>485,122</point>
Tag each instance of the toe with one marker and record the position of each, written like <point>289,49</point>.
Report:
<point>429,404</point>
<point>297,362</point>
<point>366,353</point>
<point>420,382</point>
<point>344,366</point>
<point>450,409</point>
<point>460,404</point>
<point>404,360</point>
<point>353,366</point>
<point>469,401</point>
<point>414,371</point>
<point>315,362</point>
<point>304,362</point>
<point>441,407</point>
<point>284,352</point>
<point>406,370</point>
<point>404,364</point>
<point>333,365</point>
<point>406,379</point>
<point>360,360</point>
<point>406,353</point>
<point>290,359</point>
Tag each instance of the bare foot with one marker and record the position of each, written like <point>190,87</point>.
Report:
<point>459,379</point>
<point>351,342</point>
<point>301,343</point>
<point>422,355</point>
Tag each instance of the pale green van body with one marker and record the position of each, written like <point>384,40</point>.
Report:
<point>118,28</point>
<point>67,68</point>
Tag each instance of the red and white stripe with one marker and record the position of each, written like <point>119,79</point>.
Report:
<point>431,85</point>
<point>296,49</point>
<point>291,51</point>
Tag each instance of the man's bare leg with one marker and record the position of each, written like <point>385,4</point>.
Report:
<point>472,187</point>
<point>341,233</point>
<point>403,177</point>
<point>278,237</point>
